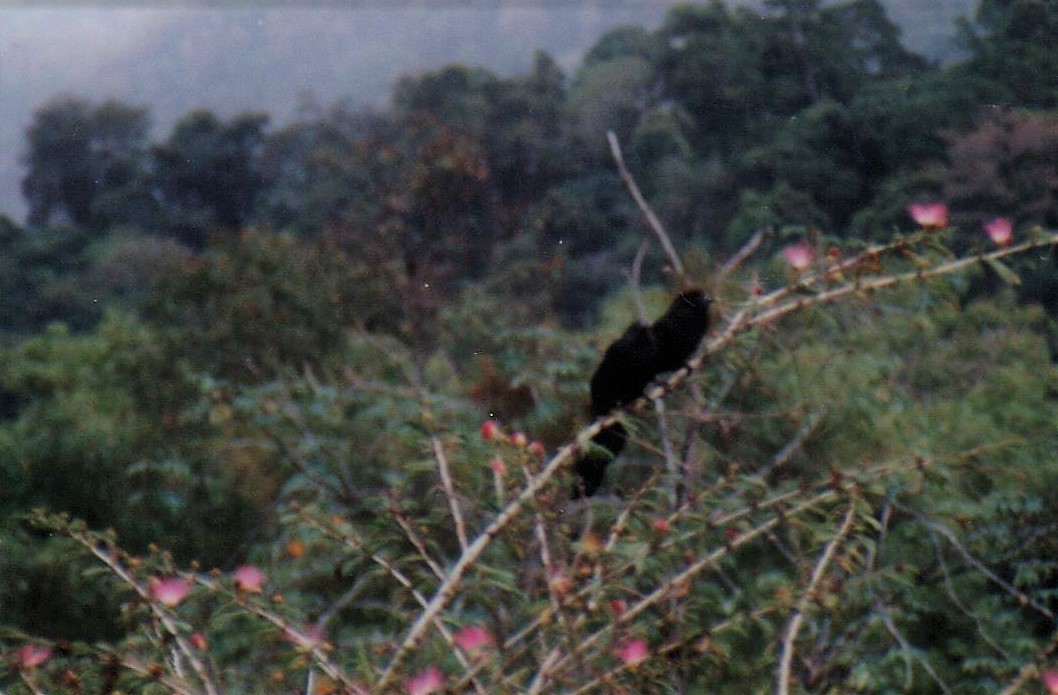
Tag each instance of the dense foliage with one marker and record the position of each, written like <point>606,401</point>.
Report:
<point>244,371</point>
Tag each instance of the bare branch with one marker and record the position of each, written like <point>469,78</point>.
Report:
<point>644,207</point>
<point>450,491</point>
<point>782,686</point>
<point>739,258</point>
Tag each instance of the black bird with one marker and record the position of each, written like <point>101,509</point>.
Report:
<point>627,368</point>
<point>680,329</point>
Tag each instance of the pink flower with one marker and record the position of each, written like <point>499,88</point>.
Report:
<point>631,651</point>
<point>661,525</point>
<point>473,638</point>
<point>798,256</point>
<point>171,591</point>
<point>1050,681</point>
<point>490,431</point>
<point>498,466</point>
<point>537,449</point>
<point>929,215</point>
<point>425,682</point>
<point>519,440</point>
<point>198,641</point>
<point>249,579</point>
<point>1000,230</point>
<point>618,606</point>
<point>31,656</point>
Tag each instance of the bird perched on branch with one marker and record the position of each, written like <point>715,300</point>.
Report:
<point>628,366</point>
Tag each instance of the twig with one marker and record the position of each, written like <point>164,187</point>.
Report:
<point>782,686</point>
<point>450,491</point>
<point>672,584</point>
<point>162,615</point>
<point>644,207</point>
<point>672,465</point>
<point>418,544</point>
<point>357,544</point>
<point>795,444</point>
<point>739,258</point>
<point>910,651</point>
<point>743,320</point>
<point>31,683</point>
<point>1031,670</point>
<point>474,551</point>
<point>1006,586</point>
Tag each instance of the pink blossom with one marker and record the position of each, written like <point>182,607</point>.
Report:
<point>473,638</point>
<point>498,466</point>
<point>798,256</point>
<point>1000,230</point>
<point>30,656</point>
<point>249,579</point>
<point>631,651</point>
<point>490,431</point>
<point>537,448</point>
<point>661,525</point>
<point>198,641</point>
<point>929,215</point>
<point>618,606</point>
<point>519,440</point>
<point>424,682</point>
<point>1050,681</point>
<point>171,591</point>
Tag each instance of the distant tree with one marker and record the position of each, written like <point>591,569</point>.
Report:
<point>903,118</point>
<point>624,42</point>
<point>1013,43</point>
<point>739,73</point>
<point>42,278</point>
<point>710,66</point>
<point>526,135</point>
<point>1006,165</point>
<point>208,173</point>
<point>518,121</point>
<point>258,301</point>
<point>456,95</point>
<point>610,95</point>
<point>821,154</point>
<point>87,164</point>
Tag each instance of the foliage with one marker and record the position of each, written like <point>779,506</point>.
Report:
<point>207,173</point>
<point>827,484</point>
<point>264,300</point>
<point>330,453</point>
<point>87,164</point>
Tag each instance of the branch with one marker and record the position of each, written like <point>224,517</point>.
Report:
<point>739,258</point>
<point>644,207</point>
<point>474,551</point>
<point>450,492</point>
<point>161,614</point>
<point>782,687</point>
<point>742,321</point>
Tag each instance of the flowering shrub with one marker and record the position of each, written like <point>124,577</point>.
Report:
<point>826,514</point>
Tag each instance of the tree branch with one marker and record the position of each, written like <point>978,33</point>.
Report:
<point>644,207</point>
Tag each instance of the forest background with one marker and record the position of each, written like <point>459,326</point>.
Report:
<point>272,348</point>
